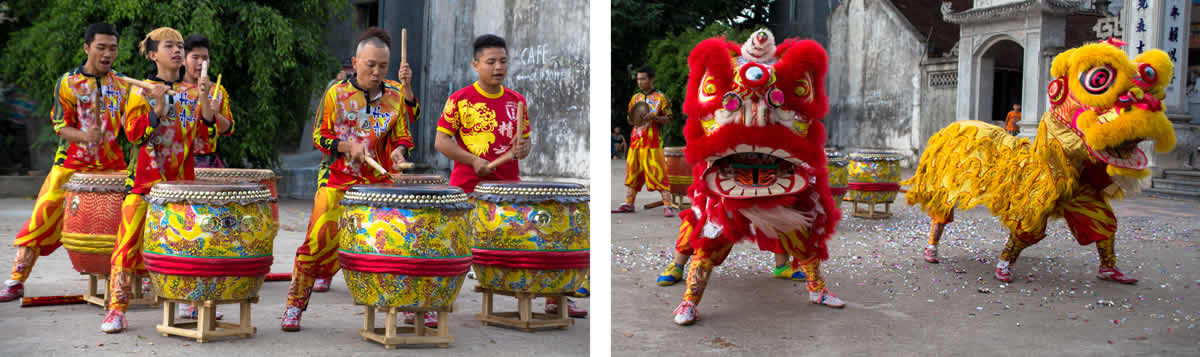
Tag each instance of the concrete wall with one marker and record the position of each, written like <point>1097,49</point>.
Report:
<point>874,78</point>
<point>548,64</point>
<point>938,84</point>
<point>802,18</point>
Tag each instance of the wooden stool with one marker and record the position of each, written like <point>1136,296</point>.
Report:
<point>870,211</point>
<point>524,318</point>
<point>206,324</point>
<point>100,298</point>
<point>420,334</point>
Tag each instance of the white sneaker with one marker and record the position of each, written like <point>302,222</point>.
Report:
<point>824,297</point>
<point>188,311</point>
<point>686,313</point>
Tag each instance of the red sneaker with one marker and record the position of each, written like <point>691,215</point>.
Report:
<point>1002,272</point>
<point>572,310</point>
<point>624,208</point>
<point>931,255</point>
<point>12,290</point>
<point>321,285</point>
<point>1112,274</point>
<point>430,319</point>
<point>669,211</point>
<point>685,313</point>
<point>114,322</point>
<point>291,319</point>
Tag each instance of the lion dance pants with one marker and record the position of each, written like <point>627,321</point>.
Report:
<point>317,257</point>
<point>705,259</point>
<point>646,167</point>
<point>42,233</point>
<point>127,259</point>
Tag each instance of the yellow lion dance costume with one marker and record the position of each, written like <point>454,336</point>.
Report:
<point>1085,153</point>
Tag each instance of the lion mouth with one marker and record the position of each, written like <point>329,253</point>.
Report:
<point>750,172</point>
<point>1124,155</point>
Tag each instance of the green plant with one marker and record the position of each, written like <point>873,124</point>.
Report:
<point>269,53</point>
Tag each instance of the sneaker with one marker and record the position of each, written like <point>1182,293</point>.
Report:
<point>147,287</point>
<point>583,291</point>
<point>824,297</point>
<point>673,274</point>
<point>1002,272</point>
<point>291,319</point>
<point>114,322</point>
<point>669,211</point>
<point>321,285</point>
<point>430,319</point>
<point>685,313</point>
<point>12,290</point>
<point>788,272</point>
<point>623,208</point>
<point>572,310</point>
<point>931,254</point>
<point>1112,274</point>
<point>188,311</point>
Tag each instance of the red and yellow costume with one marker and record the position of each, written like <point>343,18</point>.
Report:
<point>346,114</point>
<point>87,103</point>
<point>645,164</point>
<point>164,154</point>
<point>206,138</point>
<point>1084,154</point>
<point>485,125</point>
<point>755,140</point>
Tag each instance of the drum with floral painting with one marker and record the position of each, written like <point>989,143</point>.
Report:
<point>874,176</point>
<point>265,177</point>
<point>835,163</point>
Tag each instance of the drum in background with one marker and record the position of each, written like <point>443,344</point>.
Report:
<point>265,177</point>
<point>405,245</point>
<point>874,176</point>
<point>531,237</point>
<point>91,219</point>
<point>679,173</point>
<point>419,179</point>
<point>836,163</point>
<point>209,241</point>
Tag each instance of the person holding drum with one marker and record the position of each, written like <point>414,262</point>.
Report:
<point>361,118</point>
<point>196,54</point>
<point>478,129</point>
<point>89,101</point>
<point>645,163</point>
<point>163,115</point>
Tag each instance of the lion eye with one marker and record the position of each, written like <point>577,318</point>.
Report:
<point>1097,80</point>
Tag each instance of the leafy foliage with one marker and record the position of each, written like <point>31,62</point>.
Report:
<point>270,54</point>
<point>662,33</point>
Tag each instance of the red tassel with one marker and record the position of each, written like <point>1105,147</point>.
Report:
<point>279,277</point>
<point>51,300</point>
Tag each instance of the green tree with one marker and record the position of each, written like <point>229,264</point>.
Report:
<point>638,24</point>
<point>269,53</point>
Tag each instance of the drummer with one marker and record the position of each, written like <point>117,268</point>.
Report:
<point>361,116</point>
<point>645,163</point>
<point>160,121</point>
<point>195,52</point>
<point>478,125</point>
<point>89,144</point>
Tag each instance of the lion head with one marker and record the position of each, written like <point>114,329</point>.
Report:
<point>1113,104</point>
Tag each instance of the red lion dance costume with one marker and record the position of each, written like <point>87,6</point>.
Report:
<point>755,140</point>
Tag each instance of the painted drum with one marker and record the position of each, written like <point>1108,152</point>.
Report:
<point>265,177</point>
<point>91,219</point>
<point>836,163</point>
<point>405,245</point>
<point>679,173</point>
<point>874,176</point>
<point>419,179</point>
<point>531,236</point>
<point>207,240</point>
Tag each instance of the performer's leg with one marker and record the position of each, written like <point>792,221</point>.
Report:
<point>41,233</point>
<point>783,270</point>
<point>935,235</point>
<point>321,284</point>
<point>817,292</point>
<point>126,261</point>
<point>674,271</point>
<point>634,179</point>
<point>1092,220</point>
<point>316,256</point>
<point>654,168</point>
<point>1017,241</point>
<point>698,273</point>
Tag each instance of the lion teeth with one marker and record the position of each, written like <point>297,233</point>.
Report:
<point>744,148</point>
<point>726,186</point>
<point>775,189</point>
<point>763,150</point>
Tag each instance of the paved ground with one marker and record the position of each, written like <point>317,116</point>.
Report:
<point>330,325</point>
<point>900,305</point>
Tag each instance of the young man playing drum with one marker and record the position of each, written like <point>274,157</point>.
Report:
<point>86,116</point>
<point>195,52</point>
<point>478,126</point>
<point>645,163</point>
<point>364,117</point>
<point>160,120</point>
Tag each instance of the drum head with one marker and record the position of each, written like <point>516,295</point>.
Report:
<point>226,174</point>
<point>209,192</point>
<point>530,191</point>
<point>419,179</point>
<point>107,181</point>
<point>876,156</point>
<point>407,196</point>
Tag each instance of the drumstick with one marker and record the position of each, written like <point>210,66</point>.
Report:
<point>213,93</point>
<point>203,71</point>
<point>511,154</point>
<point>404,48</point>
<point>143,85</point>
<point>374,164</point>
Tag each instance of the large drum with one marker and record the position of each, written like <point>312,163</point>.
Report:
<point>265,177</point>
<point>679,173</point>
<point>874,176</point>
<point>531,236</point>
<point>405,245</point>
<point>209,240</point>
<point>92,218</point>
<point>838,176</point>
<point>419,179</point>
